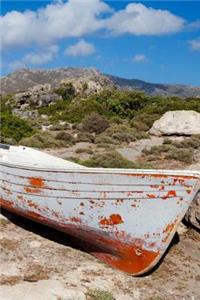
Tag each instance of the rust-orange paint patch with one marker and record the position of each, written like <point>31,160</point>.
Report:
<point>32,190</point>
<point>113,219</point>
<point>130,259</point>
<point>75,220</point>
<point>36,182</point>
<point>168,230</point>
<point>32,204</point>
<point>151,196</point>
<point>169,194</point>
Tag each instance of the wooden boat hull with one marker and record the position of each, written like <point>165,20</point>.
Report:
<point>126,217</point>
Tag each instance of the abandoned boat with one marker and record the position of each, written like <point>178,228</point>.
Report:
<point>128,216</point>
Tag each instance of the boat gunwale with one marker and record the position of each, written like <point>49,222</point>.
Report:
<point>117,171</point>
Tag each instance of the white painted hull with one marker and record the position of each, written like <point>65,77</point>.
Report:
<point>128,216</point>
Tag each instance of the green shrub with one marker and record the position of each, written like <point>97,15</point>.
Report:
<point>80,108</point>
<point>66,91</point>
<point>65,137</point>
<point>192,142</point>
<point>104,139</point>
<point>123,133</point>
<point>118,106</point>
<point>189,142</point>
<point>85,137</point>
<point>14,127</point>
<point>84,150</point>
<point>143,121</point>
<point>169,151</point>
<point>58,127</point>
<point>54,110</point>
<point>41,140</point>
<point>94,123</point>
<point>111,159</point>
<point>182,154</point>
<point>116,120</point>
<point>8,141</point>
<point>141,126</point>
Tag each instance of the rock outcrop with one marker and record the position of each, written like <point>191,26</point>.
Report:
<point>86,87</point>
<point>179,122</point>
<point>39,95</point>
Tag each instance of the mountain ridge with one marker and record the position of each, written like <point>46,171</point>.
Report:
<point>24,79</point>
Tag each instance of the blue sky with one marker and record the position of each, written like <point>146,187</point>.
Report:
<point>156,41</point>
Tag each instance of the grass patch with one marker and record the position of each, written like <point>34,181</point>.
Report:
<point>112,159</point>
<point>85,137</point>
<point>105,139</point>
<point>123,133</point>
<point>84,150</point>
<point>41,141</point>
<point>97,294</point>
<point>65,137</point>
<point>172,150</point>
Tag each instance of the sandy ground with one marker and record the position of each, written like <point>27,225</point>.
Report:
<point>39,263</point>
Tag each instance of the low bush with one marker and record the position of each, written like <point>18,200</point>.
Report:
<point>65,137</point>
<point>104,139</point>
<point>112,159</point>
<point>143,121</point>
<point>168,151</point>
<point>66,91</point>
<point>94,123</point>
<point>58,127</point>
<point>79,109</point>
<point>14,127</point>
<point>109,159</point>
<point>189,142</point>
<point>85,137</point>
<point>84,150</point>
<point>41,140</point>
<point>123,133</point>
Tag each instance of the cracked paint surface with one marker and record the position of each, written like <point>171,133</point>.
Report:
<point>125,219</point>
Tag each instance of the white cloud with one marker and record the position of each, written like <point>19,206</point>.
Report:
<point>193,25</point>
<point>35,59</point>
<point>82,48</point>
<point>41,57</point>
<point>140,58</point>
<point>195,44</point>
<point>76,18</point>
<point>138,19</point>
<point>56,21</point>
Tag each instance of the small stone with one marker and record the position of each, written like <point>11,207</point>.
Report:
<point>35,244</point>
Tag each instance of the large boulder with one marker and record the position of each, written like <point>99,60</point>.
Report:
<point>179,122</point>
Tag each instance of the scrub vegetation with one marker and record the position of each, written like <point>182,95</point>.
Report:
<point>109,119</point>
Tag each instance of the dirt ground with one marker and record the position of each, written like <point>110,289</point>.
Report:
<point>39,263</point>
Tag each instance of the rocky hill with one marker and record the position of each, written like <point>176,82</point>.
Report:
<point>25,78</point>
<point>156,88</point>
